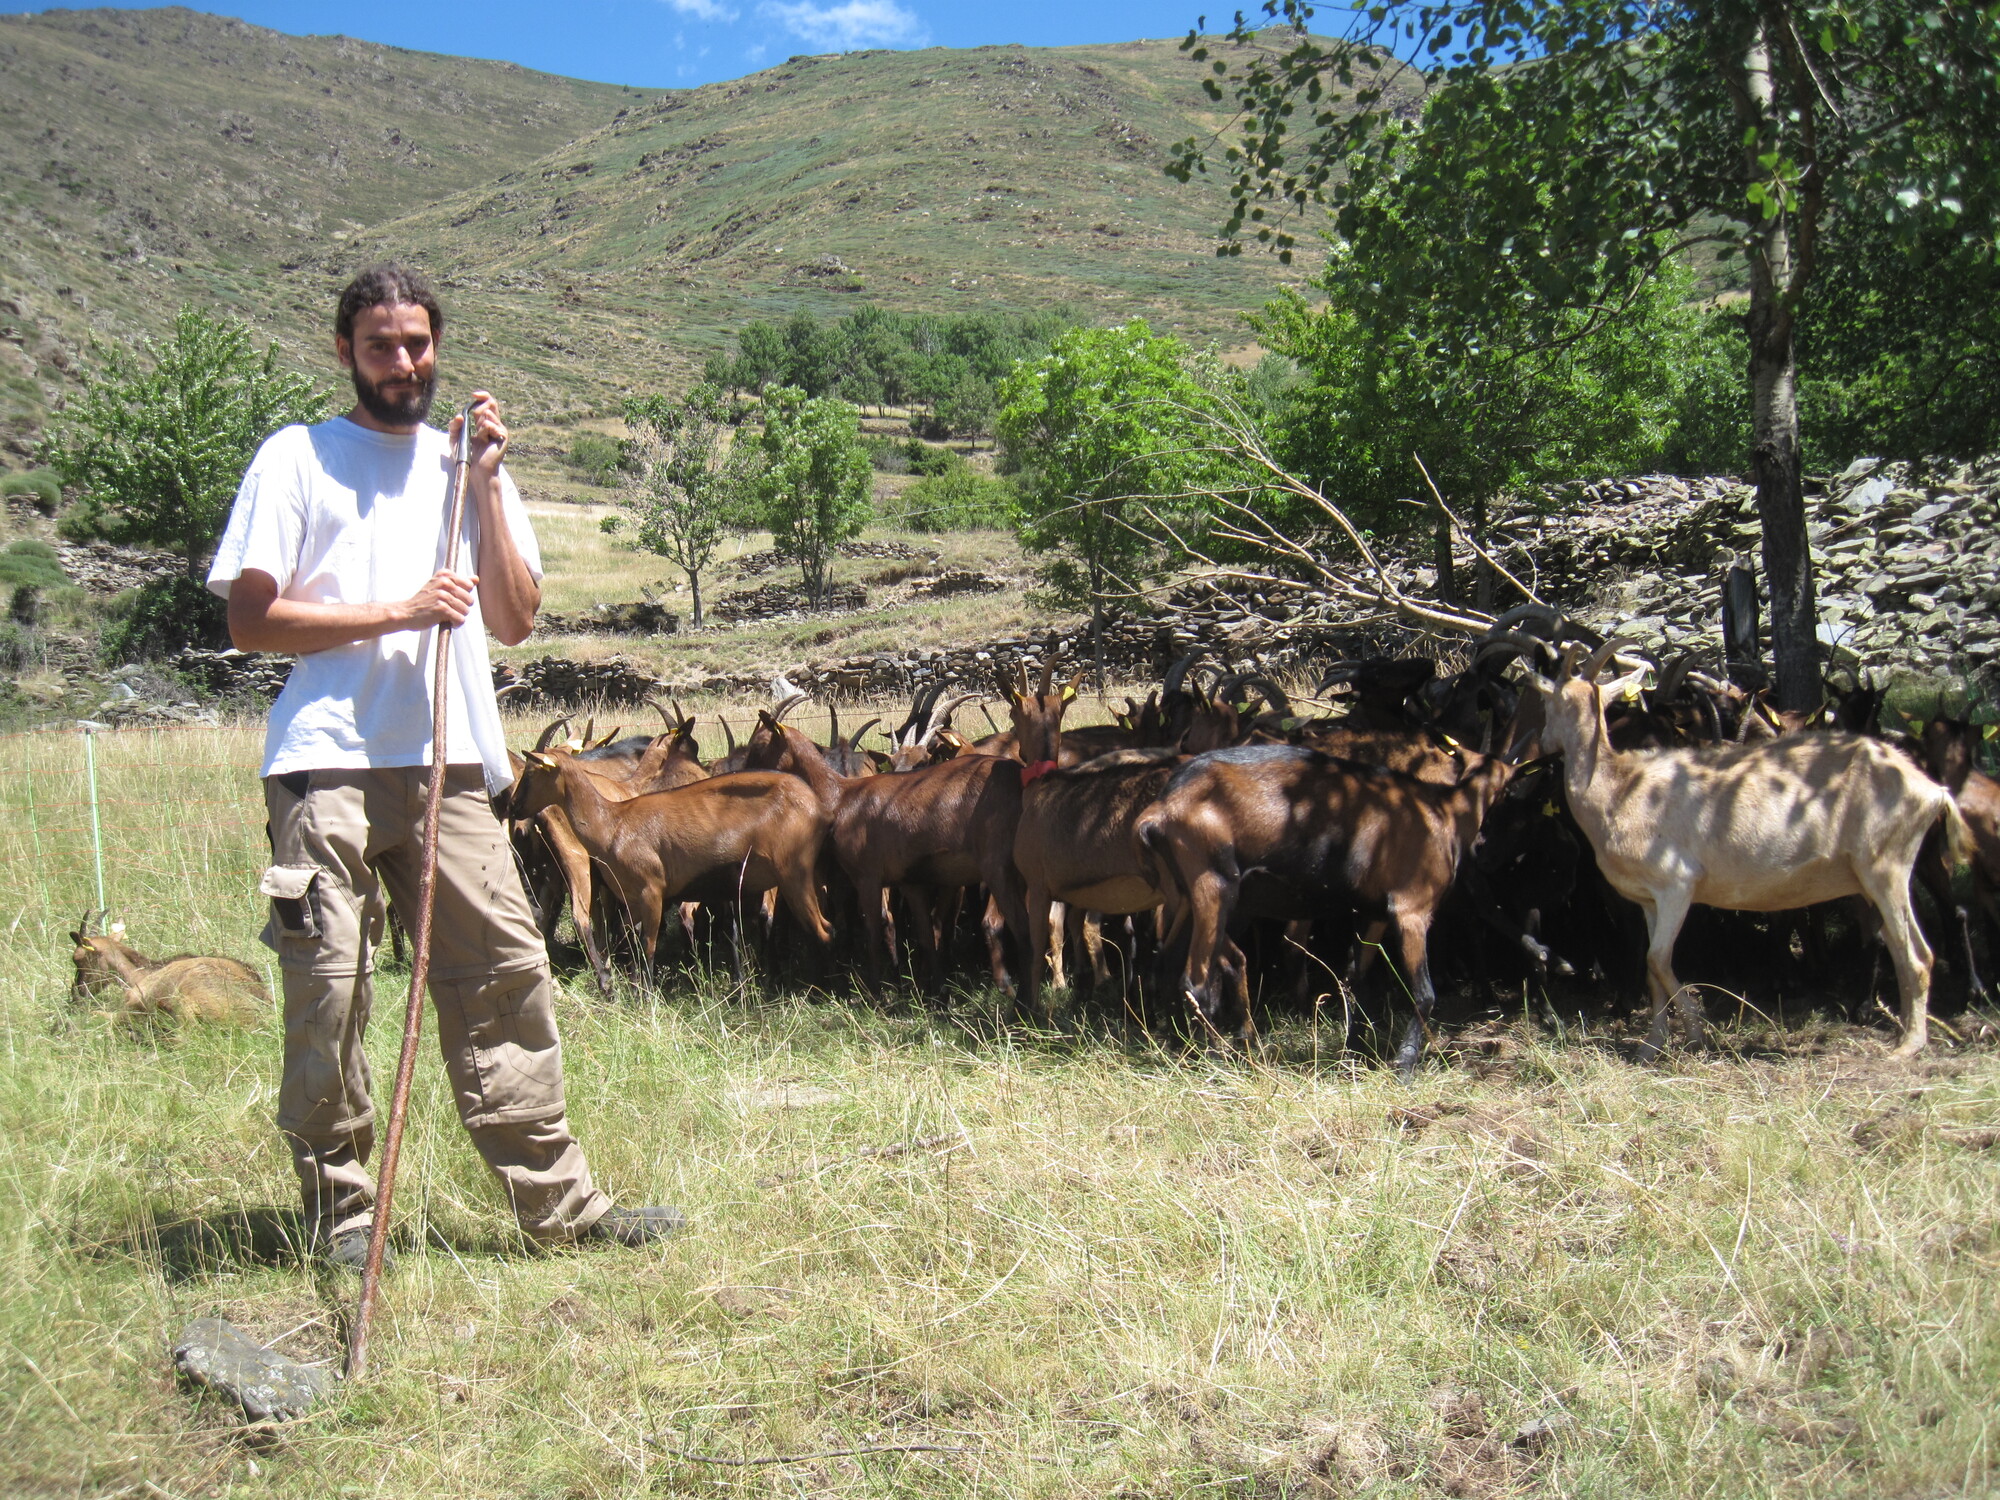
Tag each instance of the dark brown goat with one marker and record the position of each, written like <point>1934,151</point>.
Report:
<point>943,826</point>
<point>1950,748</point>
<point>1312,832</point>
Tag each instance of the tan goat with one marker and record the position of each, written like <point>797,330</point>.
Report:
<point>1762,827</point>
<point>186,987</point>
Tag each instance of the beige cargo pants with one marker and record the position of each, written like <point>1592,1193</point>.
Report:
<point>331,837</point>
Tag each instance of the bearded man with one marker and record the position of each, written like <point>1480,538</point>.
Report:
<point>334,552</point>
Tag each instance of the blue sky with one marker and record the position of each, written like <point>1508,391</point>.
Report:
<point>682,43</point>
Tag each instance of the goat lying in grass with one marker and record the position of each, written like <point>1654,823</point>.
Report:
<point>186,987</point>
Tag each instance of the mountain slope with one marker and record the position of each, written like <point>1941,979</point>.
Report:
<point>941,180</point>
<point>591,239</point>
<point>132,141</point>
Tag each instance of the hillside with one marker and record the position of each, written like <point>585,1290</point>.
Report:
<point>591,237</point>
<point>937,180</point>
<point>151,156</point>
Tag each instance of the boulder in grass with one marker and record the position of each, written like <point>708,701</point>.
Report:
<point>267,1386</point>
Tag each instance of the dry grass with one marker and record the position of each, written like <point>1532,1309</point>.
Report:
<point>585,566</point>
<point>1119,1272</point>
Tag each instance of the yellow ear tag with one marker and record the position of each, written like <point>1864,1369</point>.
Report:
<point>1917,728</point>
<point>1449,740</point>
<point>1989,731</point>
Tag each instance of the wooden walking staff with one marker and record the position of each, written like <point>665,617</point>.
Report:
<point>420,945</point>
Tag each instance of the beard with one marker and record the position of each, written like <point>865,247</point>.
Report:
<point>399,405</point>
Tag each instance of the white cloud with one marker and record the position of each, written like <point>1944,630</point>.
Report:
<point>856,23</point>
<point>703,10</point>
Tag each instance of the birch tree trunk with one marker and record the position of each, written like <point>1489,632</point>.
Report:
<point>1775,458</point>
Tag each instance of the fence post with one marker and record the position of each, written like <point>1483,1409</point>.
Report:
<point>96,835</point>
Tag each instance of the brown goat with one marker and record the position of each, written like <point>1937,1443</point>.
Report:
<point>722,839</point>
<point>186,987</point>
<point>1311,832</point>
<point>942,826</point>
<point>1074,842</point>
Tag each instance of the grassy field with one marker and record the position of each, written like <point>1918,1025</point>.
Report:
<point>585,566</point>
<point>1102,1268</point>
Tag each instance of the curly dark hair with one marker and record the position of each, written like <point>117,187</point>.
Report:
<point>389,282</point>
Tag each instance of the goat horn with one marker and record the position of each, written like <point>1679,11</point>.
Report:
<point>1506,622</point>
<point>1509,645</point>
<point>920,710</point>
<point>1049,666</point>
<point>549,735</point>
<point>854,739</point>
<point>660,709</point>
<point>1339,672</point>
<point>1597,660</point>
<point>787,706</point>
<point>1177,673</point>
<point>1674,677</point>
<point>1566,668</point>
<point>728,734</point>
<point>941,719</point>
<point>833,726</point>
<point>1273,695</point>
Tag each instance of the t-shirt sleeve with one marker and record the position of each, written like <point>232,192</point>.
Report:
<point>518,523</point>
<point>267,524</point>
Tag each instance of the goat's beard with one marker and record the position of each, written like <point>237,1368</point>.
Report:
<point>404,405</point>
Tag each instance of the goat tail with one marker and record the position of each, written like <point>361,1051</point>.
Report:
<point>1957,835</point>
<point>1156,858</point>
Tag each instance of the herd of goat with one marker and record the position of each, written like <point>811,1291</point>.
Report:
<point>1535,803</point>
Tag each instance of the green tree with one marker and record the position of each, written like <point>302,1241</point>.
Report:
<point>156,441</point>
<point>690,493</point>
<point>1487,408</point>
<point>968,408</point>
<point>1570,148</point>
<point>814,490</point>
<point>1108,430</point>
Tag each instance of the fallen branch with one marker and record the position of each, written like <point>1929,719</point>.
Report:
<point>868,1153</point>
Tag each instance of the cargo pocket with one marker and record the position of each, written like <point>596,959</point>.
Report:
<point>295,908</point>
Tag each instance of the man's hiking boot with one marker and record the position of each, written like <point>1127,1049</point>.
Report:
<point>633,1227</point>
<point>348,1251</point>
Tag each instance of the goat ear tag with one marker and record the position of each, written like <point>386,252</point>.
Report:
<point>1989,731</point>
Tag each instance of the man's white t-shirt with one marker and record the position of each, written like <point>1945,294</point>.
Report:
<point>338,513</point>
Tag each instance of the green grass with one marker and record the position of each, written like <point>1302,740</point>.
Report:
<point>1121,1272</point>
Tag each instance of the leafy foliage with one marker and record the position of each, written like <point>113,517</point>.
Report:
<point>1107,429</point>
<point>955,496</point>
<point>692,494</point>
<point>1487,408</point>
<point>599,457</point>
<point>1560,152</point>
<point>876,357</point>
<point>162,616</point>
<point>813,491</point>
<point>1900,351</point>
<point>157,442</point>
